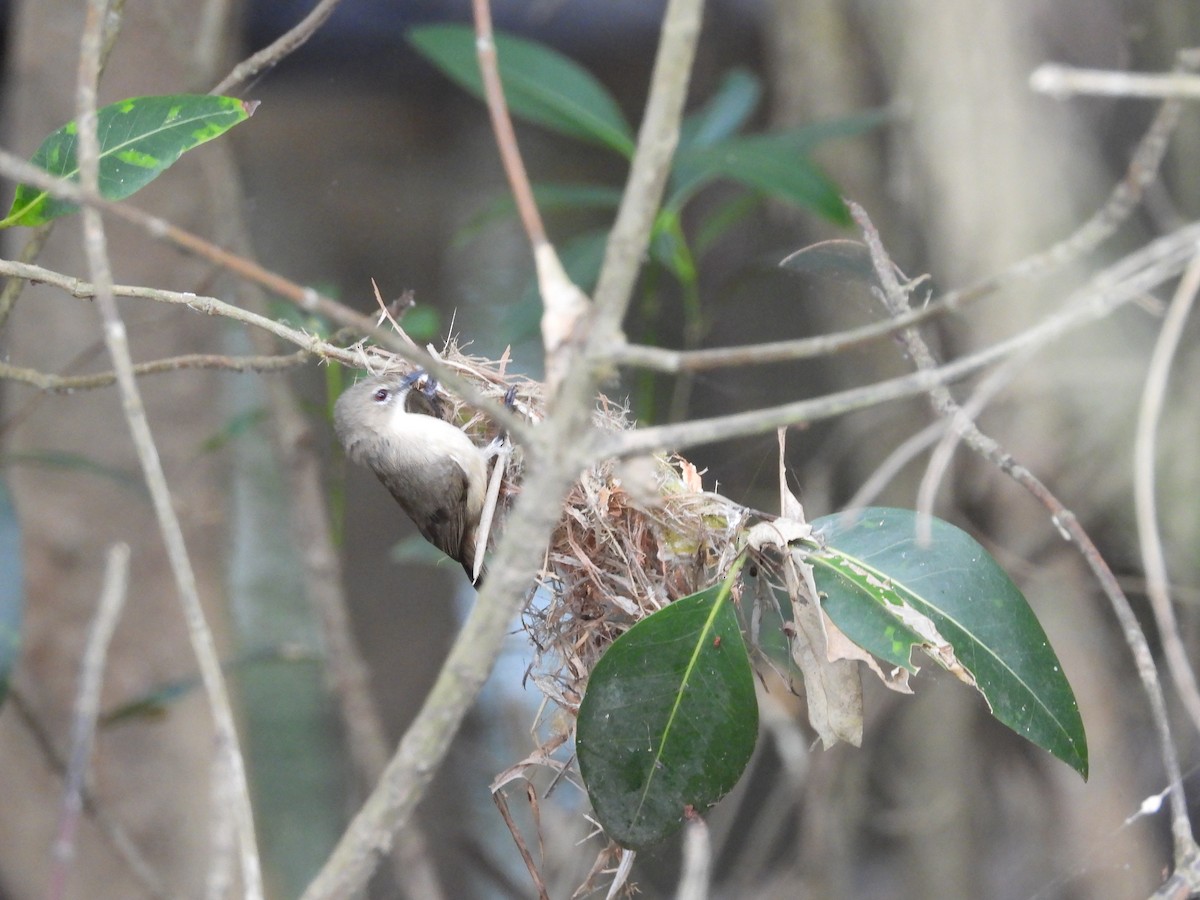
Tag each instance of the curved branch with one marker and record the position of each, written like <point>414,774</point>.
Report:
<point>1149,537</point>
<point>1113,287</point>
<point>283,46</point>
<point>657,138</point>
<point>47,381</point>
<point>229,769</point>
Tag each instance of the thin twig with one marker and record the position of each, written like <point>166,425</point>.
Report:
<point>502,126</point>
<point>680,361</point>
<point>657,139</point>
<point>1144,451</point>
<point>299,453</point>
<point>1126,280</point>
<point>936,432</point>
<point>111,830</point>
<point>228,754</point>
<point>1062,82</point>
<point>209,306</point>
<point>321,348</point>
<point>895,297</point>
<point>972,407</point>
<point>501,800</point>
<point>87,707</point>
<point>560,445</point>
<point>696,871</point>
<point>1126,194</point>
<point>565,307</point>
<point>286,44</point>
<point>48,381</point>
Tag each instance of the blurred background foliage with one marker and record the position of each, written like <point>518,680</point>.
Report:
<point>365,162</point>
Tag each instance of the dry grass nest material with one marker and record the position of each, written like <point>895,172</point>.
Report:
<point>634,535</point>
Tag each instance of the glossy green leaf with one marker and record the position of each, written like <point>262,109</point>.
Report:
<point>540,85</point>
<point>549,198</point>
<point>669,719</point>
<point>764,163</point>
<point>12,589</point>
<point>139,138</point>
<point>776,164</point>
<point>725,112</point>
<point>806,138</point>
<point>669,247</point>
<point>874,573</point>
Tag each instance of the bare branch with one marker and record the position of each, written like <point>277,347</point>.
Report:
<point>564,304</point>
<point>663,360</point>
<point>1110,289</point>
<point>656,143</point>
<point>310,299</point>
<point>228,758</point>
<point>1144,450</point>
<point>87,707</point>
<point>1062,82</point>
<point>559,448</point>
<point>283,46</point>
<point>1124,198</point>
<point>502,126</point>
<point>110,829</point>
<point>696,872</point>
<point>895,297</point>
<point>47,381</point>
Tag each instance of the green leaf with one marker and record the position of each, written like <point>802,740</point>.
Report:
<point>874,573</point>
<point>12,590</point>
<point>669,719</point>
<point>549,198</point>
<point>669,247</point>
<point>139,138</point>
<point>540,85</point>
<point>724,113</point>
<point>766,163</point>
<point>776,164</point>
<point>806,138</point>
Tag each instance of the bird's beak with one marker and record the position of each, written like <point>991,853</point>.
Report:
<point>422,381</point>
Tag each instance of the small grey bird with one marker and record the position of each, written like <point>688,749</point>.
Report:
<point>393,426</point>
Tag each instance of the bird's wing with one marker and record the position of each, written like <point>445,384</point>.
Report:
<point>440,516</point>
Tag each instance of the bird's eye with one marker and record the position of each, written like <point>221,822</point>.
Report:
<point>381,395</point>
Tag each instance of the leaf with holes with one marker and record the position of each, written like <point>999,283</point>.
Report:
<point>669,719</point>
<point>889,590</point>
<point>139,138</point>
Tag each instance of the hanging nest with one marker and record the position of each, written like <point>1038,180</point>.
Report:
<point>634,535</point>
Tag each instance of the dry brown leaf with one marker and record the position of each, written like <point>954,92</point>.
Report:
<point>841,647</point>
<point>832,687</point>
